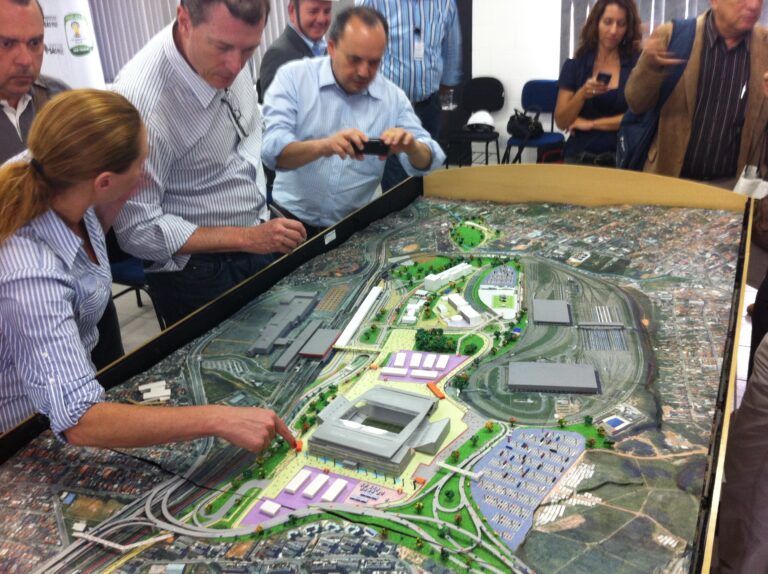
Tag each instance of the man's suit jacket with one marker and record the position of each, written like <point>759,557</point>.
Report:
<point>667,152</point>
<point>43,89</point>
<point>289,46</point>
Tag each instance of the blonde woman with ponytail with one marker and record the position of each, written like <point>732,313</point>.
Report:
<point>85,158</point>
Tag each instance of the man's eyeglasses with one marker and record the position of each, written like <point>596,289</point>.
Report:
<point>235,114</point>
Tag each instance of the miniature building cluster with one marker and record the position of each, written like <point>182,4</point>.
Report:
<point>433,282</point>
<point>312,342</point>
<point>465,310</point>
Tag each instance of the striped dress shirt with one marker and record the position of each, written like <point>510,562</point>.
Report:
<point>51,298</point>
<point>435,23</point>
<point>303,103</point>
<point>204,165</point>
<point>721,102</point>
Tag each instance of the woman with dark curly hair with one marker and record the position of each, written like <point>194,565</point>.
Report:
<point>590,102</point>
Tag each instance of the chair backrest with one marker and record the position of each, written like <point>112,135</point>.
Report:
<point>483,93</point>
<point>541,95</point>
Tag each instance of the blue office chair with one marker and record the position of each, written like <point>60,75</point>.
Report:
<point>128,271</point>
<point>538,96</point>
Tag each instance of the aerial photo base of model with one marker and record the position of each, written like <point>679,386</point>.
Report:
<point>476,387</point>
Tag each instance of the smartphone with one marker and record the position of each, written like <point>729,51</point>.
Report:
<point>375,147</point>
<point>604,78</point>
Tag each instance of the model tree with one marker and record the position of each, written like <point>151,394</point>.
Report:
<point>588,420</point>
<point>591,442</point>
<point>600,432</point>
<point>455,456</point>
<point>561,422</point>
<point>489,426</point>
<point>512,421</point>
<point>419,507</point>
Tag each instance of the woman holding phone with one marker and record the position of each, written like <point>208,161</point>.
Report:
<point>590,101</point>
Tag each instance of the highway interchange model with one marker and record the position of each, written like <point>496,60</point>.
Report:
<point>476,387</point>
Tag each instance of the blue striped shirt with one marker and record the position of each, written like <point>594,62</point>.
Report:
<point>51,298</point>
<point>437,23</point>
<point>203,169</point>
<point>303,103</point>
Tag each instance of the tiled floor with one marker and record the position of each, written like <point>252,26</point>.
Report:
<point>137,324</point>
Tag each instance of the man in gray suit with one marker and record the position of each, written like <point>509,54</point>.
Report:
<point>303,37</point>
<point>23,90</point>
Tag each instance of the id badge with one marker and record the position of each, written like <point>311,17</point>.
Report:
<point>418,50</point>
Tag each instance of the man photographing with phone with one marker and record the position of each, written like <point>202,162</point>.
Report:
<point>323,117</point>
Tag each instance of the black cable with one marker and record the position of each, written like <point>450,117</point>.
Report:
<point>167,470</point>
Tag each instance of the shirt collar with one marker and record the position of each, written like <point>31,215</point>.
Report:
<point>318,48</point>
<point>204,93</point>
<point>57,236</point>
<point>326,78</point>
<point>712,36</point>
<point>20,107</point>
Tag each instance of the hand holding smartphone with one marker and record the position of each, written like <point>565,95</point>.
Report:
<point>604,78</point>
<point>374,146</point>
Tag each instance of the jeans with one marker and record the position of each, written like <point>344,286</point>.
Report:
<point>428,112</point>
<point>206,276</point>
<point>110,345</point>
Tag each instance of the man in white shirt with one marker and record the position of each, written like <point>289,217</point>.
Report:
<point>23,90</point>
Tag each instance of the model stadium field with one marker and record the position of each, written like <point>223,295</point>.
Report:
<point>504,301</point>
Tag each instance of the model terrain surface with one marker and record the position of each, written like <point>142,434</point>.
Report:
<point>476,387</point>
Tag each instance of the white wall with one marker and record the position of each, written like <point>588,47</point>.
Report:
<point>515,41</point>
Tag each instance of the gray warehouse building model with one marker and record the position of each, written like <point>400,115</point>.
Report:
<point>293,309</point>
<point>380,431</point>
<point>552,378</point>
<point>550,312</point>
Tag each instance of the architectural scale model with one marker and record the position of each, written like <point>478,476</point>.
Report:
<point>476,387</point>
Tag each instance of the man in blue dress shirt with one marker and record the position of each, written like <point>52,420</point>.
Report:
<point>423,57</point>
<point>318,114</point>
<point>201,216</point>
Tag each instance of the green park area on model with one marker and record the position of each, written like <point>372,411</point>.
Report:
<point>371,334</point>
<point>308,418</point>
<point>421,269</point>
<point>468,235</point>
<point>435,341</point>
<point>590,432</point>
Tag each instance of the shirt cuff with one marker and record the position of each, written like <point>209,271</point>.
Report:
<point>438,158</point>
<point>68,405</point>
<point>274,144</point>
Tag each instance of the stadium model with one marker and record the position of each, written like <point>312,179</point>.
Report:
<point>380,431</point>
